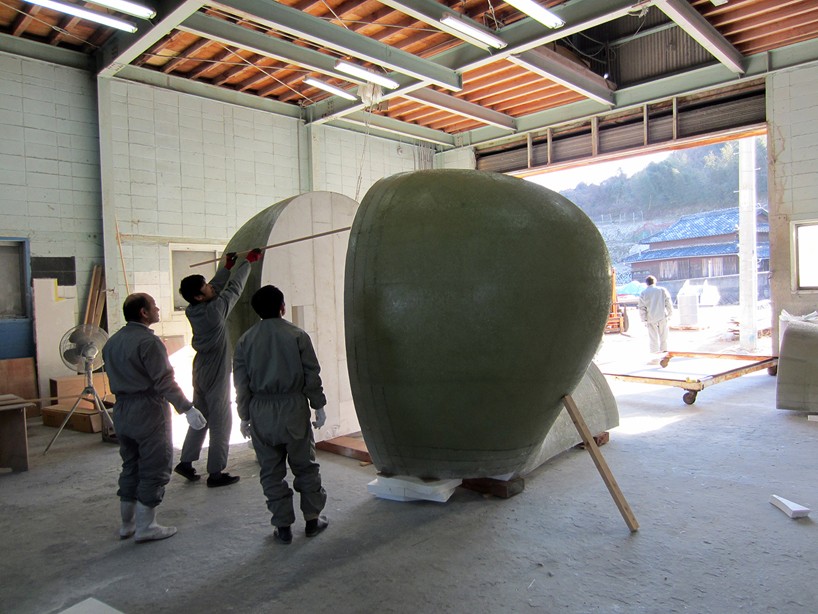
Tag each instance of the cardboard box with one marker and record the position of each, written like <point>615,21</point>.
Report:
<point>83,419</point>
<point>72,386</point>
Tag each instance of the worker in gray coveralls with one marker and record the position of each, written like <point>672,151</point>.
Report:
<point>210,304</point>
<point>142,380</point>
<point>655,308</point>
<point>276,374</point>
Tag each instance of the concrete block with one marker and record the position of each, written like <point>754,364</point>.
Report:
<point>409,488</point>
<point>796,387</point>
<point>791,509</point>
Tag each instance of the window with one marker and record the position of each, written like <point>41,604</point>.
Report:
<point>13,302</point>
<point>806,256</point>
<point>181,257</point>
<point>669,269</point>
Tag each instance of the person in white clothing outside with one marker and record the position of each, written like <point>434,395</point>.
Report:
<point>655,309</point>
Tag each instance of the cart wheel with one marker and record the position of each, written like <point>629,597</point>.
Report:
<point>773,370</point>
<point>663,363</point>
<point>689,397</point>
<point>625,322</point>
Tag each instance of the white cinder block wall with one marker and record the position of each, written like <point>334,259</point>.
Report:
<point>49,163</point>
<point>177,169</point>
<point>792,117</point>
<point>350,163</point>
<point>463,158</point>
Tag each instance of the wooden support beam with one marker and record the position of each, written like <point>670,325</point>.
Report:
<point>599,461</point>
<point>505,489</point>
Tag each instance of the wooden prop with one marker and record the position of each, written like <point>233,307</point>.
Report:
<point>266,247</point>
<point>600,463</point>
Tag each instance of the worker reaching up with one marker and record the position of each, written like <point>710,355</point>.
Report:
<point>142,380</point>
<point>210,304</point>
<point>277,378</point>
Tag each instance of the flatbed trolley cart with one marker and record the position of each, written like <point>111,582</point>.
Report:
<point>694,383</point>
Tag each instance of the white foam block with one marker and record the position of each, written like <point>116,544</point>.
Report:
<point>791,509</point>
<point>812,417</point>
<point>409,488</point>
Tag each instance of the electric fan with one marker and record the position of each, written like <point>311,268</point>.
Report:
<point>81,351</point>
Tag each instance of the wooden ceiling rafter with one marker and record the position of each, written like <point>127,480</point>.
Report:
<point>27,14</point>
<point>492,82</point>
<point>187,55</point>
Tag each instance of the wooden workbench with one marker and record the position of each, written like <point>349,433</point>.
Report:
<point>13,435</point>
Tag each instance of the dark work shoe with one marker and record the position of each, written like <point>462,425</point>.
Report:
<point>315,526</point>
<point>221,479</point>
<point>283,534</point>
<point>186,470</point>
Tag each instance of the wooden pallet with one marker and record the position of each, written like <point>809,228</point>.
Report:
<point>352,446</point>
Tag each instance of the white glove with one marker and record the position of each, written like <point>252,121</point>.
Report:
<point>320,418</point>
<point>244,429</point>
<point>195,419</point>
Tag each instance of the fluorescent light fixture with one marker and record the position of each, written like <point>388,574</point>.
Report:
<point>71,9</point>
<point>329,88</point>
<point>129,8</point>
<point>366,75</point>
<point>537,12</point>
<point>718,2</point>
<point>472,31</point>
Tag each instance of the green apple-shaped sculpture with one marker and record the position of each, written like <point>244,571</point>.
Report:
<point>473,302</point>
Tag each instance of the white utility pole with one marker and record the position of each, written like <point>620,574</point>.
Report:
<point>748,267</point>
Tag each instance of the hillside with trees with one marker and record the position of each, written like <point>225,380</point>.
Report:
<point>687,181</point>
<point>628,210</point>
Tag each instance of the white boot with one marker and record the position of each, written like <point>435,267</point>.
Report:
<point>146,527</point>
<point>127,510</point>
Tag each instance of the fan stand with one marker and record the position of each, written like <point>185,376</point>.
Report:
<point>89,393</point>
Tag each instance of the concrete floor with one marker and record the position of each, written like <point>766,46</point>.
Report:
<point>698,479</point>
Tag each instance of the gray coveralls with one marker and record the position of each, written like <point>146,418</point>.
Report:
<point>655,307</point>
<point>142,380</point>
<point>211,368</point>
<point>276,371</point>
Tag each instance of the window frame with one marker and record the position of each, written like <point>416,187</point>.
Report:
<point>795,256</point>
<point>208,250</point>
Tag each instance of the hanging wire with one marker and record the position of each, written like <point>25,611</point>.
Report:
<point>52,26</point>
<point>334,14</point>
<point>493,16</point>
<point>368,115</point>
<point>273,77</point>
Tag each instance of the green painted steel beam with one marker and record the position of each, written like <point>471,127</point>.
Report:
<point>304,26</point>
<point>124,47</point>
<point>47,53</point>
<point>231,34</point>
<point>204,90</point>
<point>700,79</point>
<point>367,123</point>
<point>522,36</point>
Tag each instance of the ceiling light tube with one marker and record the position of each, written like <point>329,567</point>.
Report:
<point>472,31</point>
<point>329,88</point>
<point>70,9</point>
<point>366,75</point>
<point>129,8</point>
<point>537,12</point>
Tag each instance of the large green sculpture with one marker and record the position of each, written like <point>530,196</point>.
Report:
<point>473,302</point>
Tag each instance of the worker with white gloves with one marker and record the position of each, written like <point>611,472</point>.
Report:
<point>655,309</point>
<point>210,305</point>
<point>277,378</point>
<point>142,379</point>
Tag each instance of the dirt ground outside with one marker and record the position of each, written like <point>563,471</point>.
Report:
<point>714,333</point>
